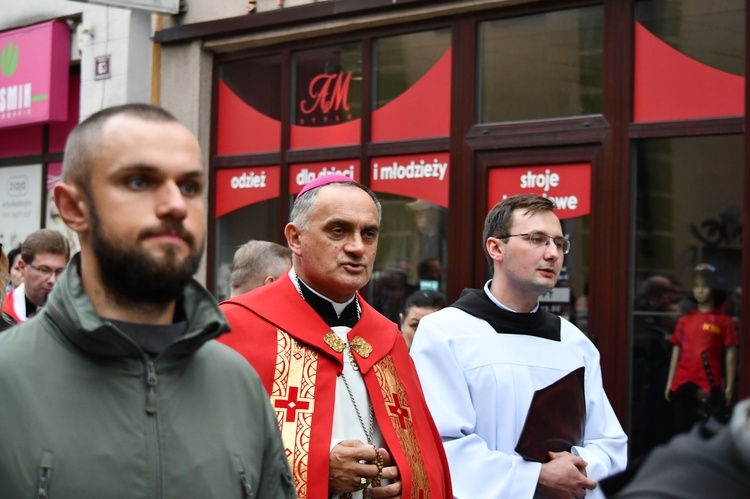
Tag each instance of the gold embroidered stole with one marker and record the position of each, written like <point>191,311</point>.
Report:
<point>396,405</point>
<point>293,397</point>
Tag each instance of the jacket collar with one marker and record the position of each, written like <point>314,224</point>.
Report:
<point>73,318</point>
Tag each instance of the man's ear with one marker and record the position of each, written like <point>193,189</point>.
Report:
<point>72,206</point>
<point>494,248</point>
<point>292,234</point>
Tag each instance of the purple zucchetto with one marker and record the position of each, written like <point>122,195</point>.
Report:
<point>324,180</point>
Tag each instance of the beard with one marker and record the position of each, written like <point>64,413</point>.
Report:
<point>133,275</point>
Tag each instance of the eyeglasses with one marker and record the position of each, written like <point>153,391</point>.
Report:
<point>539,239</point>
<point>46,271</point>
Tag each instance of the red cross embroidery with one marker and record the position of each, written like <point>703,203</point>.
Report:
<point>292,404</point>
<point>400,412</point>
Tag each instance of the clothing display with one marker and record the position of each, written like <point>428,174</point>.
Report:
<point>300,360</point>
<point>87,414</point>
<point>698,332</point>
<point>480,366</point>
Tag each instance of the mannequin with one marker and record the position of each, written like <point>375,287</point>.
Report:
<point>695,383</point>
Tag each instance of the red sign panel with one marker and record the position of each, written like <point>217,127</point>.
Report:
<point>424,110</point>
<point>670,85</point>
<point>240,187</point>
<point>422,176</point>
<point>242,128</point>
<point>34,66</point>
<point>568,185</point>
<point>302,173</point>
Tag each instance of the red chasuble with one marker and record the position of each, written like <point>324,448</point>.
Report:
<point>283,338</point>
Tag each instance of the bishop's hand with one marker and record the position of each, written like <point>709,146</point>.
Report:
<point>346,468</point>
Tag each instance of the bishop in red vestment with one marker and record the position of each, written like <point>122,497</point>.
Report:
<point>285,330</point>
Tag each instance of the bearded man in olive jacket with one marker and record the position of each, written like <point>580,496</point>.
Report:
<point>115,389</point>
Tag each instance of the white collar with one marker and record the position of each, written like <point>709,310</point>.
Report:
<point>499,304</point>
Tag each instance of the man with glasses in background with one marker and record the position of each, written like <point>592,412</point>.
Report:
<point>44,255</point>
<point>516,392</point>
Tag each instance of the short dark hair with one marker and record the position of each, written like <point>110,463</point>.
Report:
<point>44,241</point>
<point>500,218</point>
<point>12,254</point>
<point>425,298</point>
<point>82,144</point>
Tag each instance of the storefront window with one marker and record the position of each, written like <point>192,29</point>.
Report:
<point>249,106</point>
<point>709,32</point>
<point>412,252</point>
<point>21,206</point>
<point>541,66</point>
<point>413,246</point>
<point>327,96</point>
<point>688,216</point>
<point>411,86</point>
<point>246,207</point>
<point>689,60</point>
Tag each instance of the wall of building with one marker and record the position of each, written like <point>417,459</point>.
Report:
<point>97,31</point>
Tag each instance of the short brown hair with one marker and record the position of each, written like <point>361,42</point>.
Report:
<point>500,218</point>
<point>44,241</point>
<point>255,260</point>
<point>83,142</point>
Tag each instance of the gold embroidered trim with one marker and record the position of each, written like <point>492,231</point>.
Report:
<point>293,398</point>
<point>394,395</point>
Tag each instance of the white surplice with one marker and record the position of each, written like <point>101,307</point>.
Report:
<point>479,384</point>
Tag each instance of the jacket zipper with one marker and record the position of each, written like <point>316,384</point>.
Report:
<point>247,489</point>
<point>151,382</point>
<point>45,470</point>
<point>151,385</point>
<point>151,409</point>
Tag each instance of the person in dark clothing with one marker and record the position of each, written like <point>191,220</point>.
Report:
<point>115,388</point>
<point>711,461</point>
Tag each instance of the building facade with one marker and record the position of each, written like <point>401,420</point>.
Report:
<point>631,114</point>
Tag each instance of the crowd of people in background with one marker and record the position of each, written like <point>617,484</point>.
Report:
<point>111,385</point>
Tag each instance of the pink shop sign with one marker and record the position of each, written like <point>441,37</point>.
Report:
<point>34,67</point>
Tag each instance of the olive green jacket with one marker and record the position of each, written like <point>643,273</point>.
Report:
<point>84,414</point>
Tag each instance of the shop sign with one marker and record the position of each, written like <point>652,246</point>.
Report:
<point>423,176</point>
<point>240,187</point>
<point>568,185</point>
<point>302,173</point>
<point>326,94</point>
<point>34,67</point>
